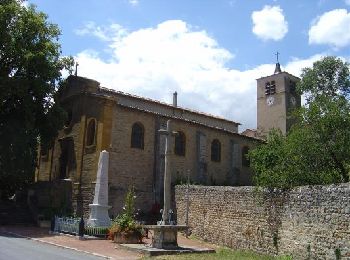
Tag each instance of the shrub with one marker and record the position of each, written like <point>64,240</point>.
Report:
<point>125,222</point>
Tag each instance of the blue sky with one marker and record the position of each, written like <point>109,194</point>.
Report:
<point>209,51</point>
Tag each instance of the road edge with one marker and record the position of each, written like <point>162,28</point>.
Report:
<point>57,245</point>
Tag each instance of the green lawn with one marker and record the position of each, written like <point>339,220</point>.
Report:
<point>221,254</point>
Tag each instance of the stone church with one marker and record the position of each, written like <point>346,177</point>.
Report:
<point>207,149</point>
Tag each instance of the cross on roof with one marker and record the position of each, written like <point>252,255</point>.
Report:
<point>277,53</point>
<point>76,68</point>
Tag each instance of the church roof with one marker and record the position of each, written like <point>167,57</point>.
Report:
<point>167,105</point>
<point>79,85</point>
<point>282,72</point>
<point>168,110</point>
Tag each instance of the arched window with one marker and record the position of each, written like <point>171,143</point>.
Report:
<point>91,132</point>
<point>137,135</point>
<point>180,144</point>
<point>216,150</point>
<point>245,158</point>
<point>69,118</point>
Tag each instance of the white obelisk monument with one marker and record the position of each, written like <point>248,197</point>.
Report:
<point>99,208</point>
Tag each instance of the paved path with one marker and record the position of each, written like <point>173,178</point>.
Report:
<point>13,247</point>
<point>97,247</point>
<point>101,248</point>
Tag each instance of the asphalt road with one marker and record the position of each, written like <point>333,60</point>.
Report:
<point>13,248</point>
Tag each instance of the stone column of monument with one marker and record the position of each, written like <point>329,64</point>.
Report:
<point>165,232</point>
<point>99,208</point>
<point>167,173</point>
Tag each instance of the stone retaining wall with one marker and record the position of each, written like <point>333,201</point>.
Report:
<point>307,222</point>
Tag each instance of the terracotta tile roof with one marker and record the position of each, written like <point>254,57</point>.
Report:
<point>112,91</point>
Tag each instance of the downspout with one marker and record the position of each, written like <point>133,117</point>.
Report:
<point>82,153</point>
<point>51,161</point>
<point>39,163</point>
<point>82,162</point>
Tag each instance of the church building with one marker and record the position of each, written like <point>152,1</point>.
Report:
<point>207,149</point>
<point>276,99</point>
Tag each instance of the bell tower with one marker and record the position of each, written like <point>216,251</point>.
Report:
<point>276,98</point>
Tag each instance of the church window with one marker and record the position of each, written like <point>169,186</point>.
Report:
<point>292,87</point>
<point>137,136</point>
<point>44,151</point>
<point>216,150</point>
<point>180,144</point>
<point>69,118</point>
<point>91,132</point>
<point>245,158</point>
<point>270,88</point>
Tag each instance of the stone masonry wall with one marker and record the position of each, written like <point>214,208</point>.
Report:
<point>131,166</point>
<point>307,222</point>
<point>144,168</point>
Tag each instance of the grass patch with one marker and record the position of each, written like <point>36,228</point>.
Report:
<point>221,254</point>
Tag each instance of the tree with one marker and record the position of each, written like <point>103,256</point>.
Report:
<point>30,74</point>
<point>317,149</point>
<point>327,87</point>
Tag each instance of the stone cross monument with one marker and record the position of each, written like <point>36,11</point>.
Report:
<point>165,232</point>
<point>169,134</point>
<point>99,208</point>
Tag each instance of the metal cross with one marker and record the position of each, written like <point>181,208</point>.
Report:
<point>277,53</point>
<point>76,68</point>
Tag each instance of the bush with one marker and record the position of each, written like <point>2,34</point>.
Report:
<point>125,222</point>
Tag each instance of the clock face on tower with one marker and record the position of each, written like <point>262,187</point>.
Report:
<point>270,100</point>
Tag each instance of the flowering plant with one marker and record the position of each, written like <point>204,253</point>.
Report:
<point>125,222</point>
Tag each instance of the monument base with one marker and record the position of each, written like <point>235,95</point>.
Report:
<point>165,236</point>
<point>99,216</point>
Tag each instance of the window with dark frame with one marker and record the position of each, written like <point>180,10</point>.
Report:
<point>245,158</point>
<point>292,87</point>
<point>69,118</point>
<point>180,144</point>
<point>91,132</point>
<point>216,150</point>
<point>137,136</point>
<point>270,88</point>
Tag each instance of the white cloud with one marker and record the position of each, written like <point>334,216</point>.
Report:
<point>155,62</point>
<point>134,2</point>
<point>296,65</point>
<point>331,28</point>
<point>101,32</point>
<point>269,23</point>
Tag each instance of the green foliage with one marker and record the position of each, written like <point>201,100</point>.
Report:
<point>125,222</point>
<point>337,254</point>
<point>268,162</point>
<point>328,77</point>
<point>308,248</point>
<point>30,74</point>
<point>275,240</point>
<point>317,149</point>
